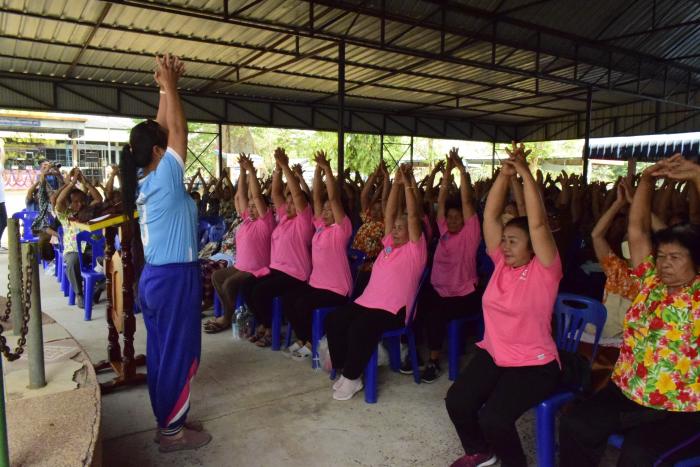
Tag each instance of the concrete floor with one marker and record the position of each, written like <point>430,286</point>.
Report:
<point>266,410</point>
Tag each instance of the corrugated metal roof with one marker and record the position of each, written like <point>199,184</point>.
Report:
<point>513,61</point>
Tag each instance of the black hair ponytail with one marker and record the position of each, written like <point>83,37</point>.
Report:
<point>138,154</point>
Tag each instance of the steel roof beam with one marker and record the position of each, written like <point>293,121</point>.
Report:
<point>372,44</point>
<point>94,29</point>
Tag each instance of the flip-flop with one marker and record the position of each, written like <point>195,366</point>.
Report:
<point>212,327</point>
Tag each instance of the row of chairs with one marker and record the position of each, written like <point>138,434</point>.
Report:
<point>87,271</point>
<point>572,315</point>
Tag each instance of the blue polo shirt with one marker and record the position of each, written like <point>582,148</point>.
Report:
<point>167,214</point>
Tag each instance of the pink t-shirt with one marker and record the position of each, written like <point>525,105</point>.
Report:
<point>518,306</point>
<point>253,244</point>
<point>329,258</point>
<point>454,267</point>
<point>291,243</point>
<point>395,276</point>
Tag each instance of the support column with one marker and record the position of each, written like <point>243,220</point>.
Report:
<point>221,148</point>
<point>381,147</point>
<point>15,270</point>
<point>35,336</point>
<point>586,144</point>
<point>341,112</point>
<point>493,158</point>
<point>411,150</point>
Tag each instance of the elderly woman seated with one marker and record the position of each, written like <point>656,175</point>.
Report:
<point>654,396</point>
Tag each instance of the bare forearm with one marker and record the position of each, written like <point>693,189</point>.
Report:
<point>496,198</point>
<point>536,215</point>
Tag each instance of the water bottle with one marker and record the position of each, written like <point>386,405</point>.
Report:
<point>235,331</point>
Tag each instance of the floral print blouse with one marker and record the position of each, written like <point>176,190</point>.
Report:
<point>368,239</point>
<point>659,365</point>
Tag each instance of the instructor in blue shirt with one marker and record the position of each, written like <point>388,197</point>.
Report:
<point>170,289</point>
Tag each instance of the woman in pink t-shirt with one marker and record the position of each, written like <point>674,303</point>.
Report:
<point>355,329</point>
<point>330,283</point>
<point>290,253</point>
<point>252,246</point>
<point>516,365</point>
<point>451,292</point>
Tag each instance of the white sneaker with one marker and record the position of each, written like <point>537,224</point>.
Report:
<point>348,389</point>
<point>338,382</point>
<point>291,349</point>
<point>301,354</point>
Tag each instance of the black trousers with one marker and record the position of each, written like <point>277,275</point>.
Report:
<point>353,333</point>
<point>434,312</point>
<point>649,433</point>
<point>300,303</point>
<point>3,219</point>
<point>265,289</point>
<point>486,400</point>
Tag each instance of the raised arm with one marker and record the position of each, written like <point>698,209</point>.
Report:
<point>415,214</point>
<point>543,243</point>
<point>639,226</point>
<point>444,188</point>
<point>62,198</point>
<point>331,187</point>
<point>517,189</point>
<point>318,174</point>
<point>169,70</point>
<point>276,187</point>
<point>94,194</point>
<point>255,189</point>
<point>109,187</point>
<point>366,193</point>
<point>241,196</point>
<point>299,174</point>
<point>600,243</point>
<point>681,169</point>
<point>392,204</point>
<point>495,201</point>
<point>466,191</point>
<point>298,197</point>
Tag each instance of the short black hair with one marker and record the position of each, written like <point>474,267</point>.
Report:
<point>686,235</point>
<point>453,202</point>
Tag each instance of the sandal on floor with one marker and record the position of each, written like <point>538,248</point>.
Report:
<point>194,425</point>
<point>264,341</point>
<point>212,327</point>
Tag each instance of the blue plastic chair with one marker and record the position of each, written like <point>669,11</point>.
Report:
<point>87,271</point>
<point>616,440</point>
<point>394,347</point>
<point>455,340</point>
<point>572,314</point>
<point>277,317</point>
<point>216,231</point>
<point>26,218</point>
<point>58,254</point>
<point>203,227</point>
<point>357,258</point>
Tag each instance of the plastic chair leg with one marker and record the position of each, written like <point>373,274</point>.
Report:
<point>414,355</point>
<point>276,322</point>
<point>371,379</point>
<point>453,344</point>
<point>545,436</point>
<point>89,288</point>
<point>316,332</point>
<point>290,331</point>
<point>394,349</point>
<point>218,308</point>
<point>65,285</point>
